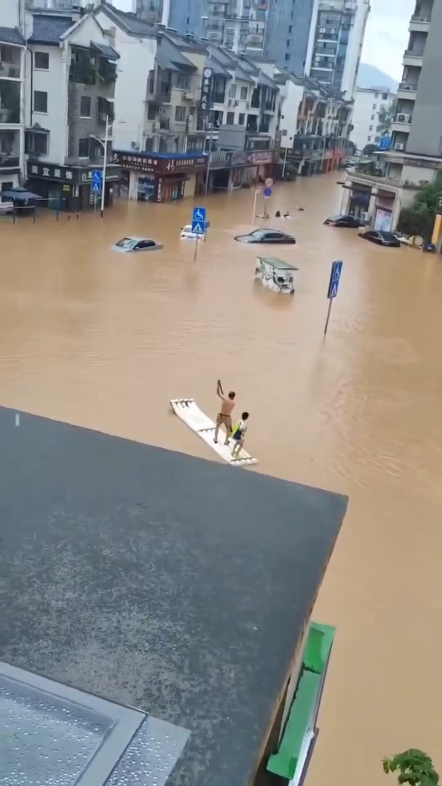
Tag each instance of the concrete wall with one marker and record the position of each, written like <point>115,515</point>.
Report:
<point>415,174</point>
<point>426,127</point>
<point>181,11</point>
<point>290,103</point>
<point>137,59</point>
<point>281,41</point>
<point>54,82</point>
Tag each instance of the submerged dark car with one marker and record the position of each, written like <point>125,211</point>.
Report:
<point>381,238</point>
<point>266,236</point>
<point>345,221</point>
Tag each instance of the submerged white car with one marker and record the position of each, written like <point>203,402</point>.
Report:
<point>187,231</point>
<point>127,244</point>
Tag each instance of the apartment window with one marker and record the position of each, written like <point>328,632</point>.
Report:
<point>183,82</point>
<point>232,91</point>
<point>40,101</point>
<point>241,119</point>
<point>385,96</point>
<point>83,148</point>
<point>230,118</point>
<point>369,139</point>
<point>41,60</point>
<point>376,95</point>
<point>288,42</point>
<point>151,112</point>
<point>372,117</point>
<point>244,94</point>
<point>180,114</point>
<point>287,56</point>
<point>376,139</point>
<point>374,106</point>
<point>85,106</point>
<point>370,128</point>
<point>290,28</point>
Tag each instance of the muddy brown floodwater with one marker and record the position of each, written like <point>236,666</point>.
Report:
<point>104,340</point>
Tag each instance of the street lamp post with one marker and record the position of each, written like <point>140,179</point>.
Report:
<point>206,186</point>
<point>104,146</point>
<point>284,164</point>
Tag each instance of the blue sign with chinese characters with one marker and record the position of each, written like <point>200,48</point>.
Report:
<point>97,181</point>
<point>199,220</point>
<point>335,277</point>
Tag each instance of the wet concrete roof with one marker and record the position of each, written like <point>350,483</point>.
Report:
<point>168,583</point>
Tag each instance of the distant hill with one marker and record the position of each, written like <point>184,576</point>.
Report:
<point>370,76</point>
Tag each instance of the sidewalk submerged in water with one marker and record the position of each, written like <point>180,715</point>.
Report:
<point>159,581</point>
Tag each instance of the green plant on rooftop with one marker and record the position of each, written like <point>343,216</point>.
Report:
<point>418,219</point>
<point>414,767</point>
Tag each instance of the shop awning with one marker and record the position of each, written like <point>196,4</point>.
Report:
<point>20,194</point>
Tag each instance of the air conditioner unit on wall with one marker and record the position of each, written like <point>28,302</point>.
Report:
<point>135,145</point>
<point>402,118</point>
<point>399,146</point>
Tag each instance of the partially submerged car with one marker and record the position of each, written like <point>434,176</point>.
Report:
<point>349,222</point>
<point>187,231</point>
<point>128,244</point>
<point>266,236</point>
<point>381,237</point>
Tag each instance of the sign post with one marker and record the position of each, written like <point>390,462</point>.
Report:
<point>257,191</point>
<point>198,225</point>
<point>267,194</point>
<point>333,286</point>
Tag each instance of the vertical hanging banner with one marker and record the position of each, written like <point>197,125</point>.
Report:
<point>206,91</point>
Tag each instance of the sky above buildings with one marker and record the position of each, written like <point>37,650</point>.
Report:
<point>386,36</point>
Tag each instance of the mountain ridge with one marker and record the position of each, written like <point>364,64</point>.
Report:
<point>371,76</point>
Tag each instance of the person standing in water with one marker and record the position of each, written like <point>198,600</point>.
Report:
<point>239,435</point>
<point>224,417</point>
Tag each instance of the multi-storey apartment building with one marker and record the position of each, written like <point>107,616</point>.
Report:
<point>237,25</point>
<point>369,106</point>
<point>415,153</point>
<point>12,110</point>
<point>69,104</point>
<point>335,43</point>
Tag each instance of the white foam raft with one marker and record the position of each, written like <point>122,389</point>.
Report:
<point>190,413</point>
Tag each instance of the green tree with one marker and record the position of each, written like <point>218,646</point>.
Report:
<point>386,117</point>
<point>369,150</point>
<point>419,218</point>
<point>414,767</point>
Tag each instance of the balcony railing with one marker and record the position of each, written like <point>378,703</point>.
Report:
<point>414,53</point>
<point>9,70</point>
<point>408,86</point>
<point>9,162</point>
<point>417,18</point>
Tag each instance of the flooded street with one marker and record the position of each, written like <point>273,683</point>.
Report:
<point>104,340</point>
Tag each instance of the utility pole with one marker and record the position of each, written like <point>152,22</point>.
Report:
<point>103,184</point>
<point>206,189</point>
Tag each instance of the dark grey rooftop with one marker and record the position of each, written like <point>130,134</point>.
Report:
<point>159,581</point>
<point>48,29</point>
<point>11,35</point>
<point>169,56</point>
<point>132,24</point>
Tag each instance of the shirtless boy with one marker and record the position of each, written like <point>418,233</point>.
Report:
<point>224,417</point>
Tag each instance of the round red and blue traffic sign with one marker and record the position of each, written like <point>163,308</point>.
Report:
<point>267,192</point>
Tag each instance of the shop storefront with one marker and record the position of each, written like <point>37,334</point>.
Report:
<point>230,170</point>
<point>70,188</point>
<point>157,177</point>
